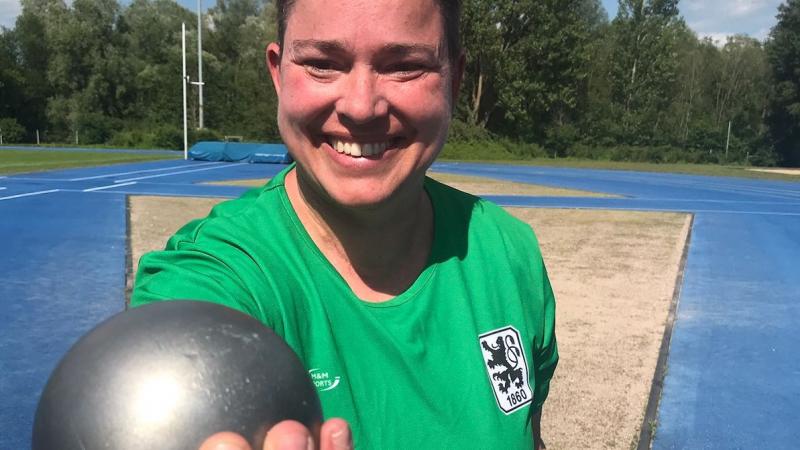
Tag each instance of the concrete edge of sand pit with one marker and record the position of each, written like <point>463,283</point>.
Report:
<point>650,420</point>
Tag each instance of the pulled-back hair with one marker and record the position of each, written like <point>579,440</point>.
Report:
<point>451,16</point>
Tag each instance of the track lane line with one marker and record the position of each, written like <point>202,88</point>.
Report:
<point>29,194</point>
<point>224,166</point>
<point>111,175</point>
<point>170,194</point>
<point>100,188</point>
<point>654,209</point>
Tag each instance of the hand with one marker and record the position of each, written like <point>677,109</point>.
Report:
<point>288,435</point>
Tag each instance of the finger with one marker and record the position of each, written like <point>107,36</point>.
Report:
<point>289,435</point>
<point>336,435</point>
<point>225,441</point>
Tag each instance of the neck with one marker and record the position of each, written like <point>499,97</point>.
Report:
<point>379,251</point>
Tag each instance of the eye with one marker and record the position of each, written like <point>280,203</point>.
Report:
<point>407,70</point>
<point>320,67</point>
<point>406,67</point>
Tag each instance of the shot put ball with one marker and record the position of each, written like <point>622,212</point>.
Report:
<point>167,376</point>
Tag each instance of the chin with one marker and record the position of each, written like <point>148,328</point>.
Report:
<point>360,199</point>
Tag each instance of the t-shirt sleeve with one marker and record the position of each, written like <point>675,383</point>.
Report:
<point>545,348</point>
<point>188,271</point>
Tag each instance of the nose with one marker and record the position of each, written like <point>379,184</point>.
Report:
<point>362,99</point>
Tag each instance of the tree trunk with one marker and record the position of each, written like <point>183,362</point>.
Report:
<point>477,94</point>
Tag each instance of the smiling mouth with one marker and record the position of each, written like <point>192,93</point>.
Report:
<point>361,149</point>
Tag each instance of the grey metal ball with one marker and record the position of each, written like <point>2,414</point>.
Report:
<point>167,376</point>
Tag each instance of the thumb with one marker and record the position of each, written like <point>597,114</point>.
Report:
<point>289,435</point>
<point>336,435</point>
<point>225,441</point>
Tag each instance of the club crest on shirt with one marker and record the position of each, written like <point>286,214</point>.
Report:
<point>507,368</point>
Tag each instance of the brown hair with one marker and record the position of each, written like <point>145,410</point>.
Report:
<point>451,16</point>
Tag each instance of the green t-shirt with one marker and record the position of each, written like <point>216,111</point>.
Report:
<point>462,359</point>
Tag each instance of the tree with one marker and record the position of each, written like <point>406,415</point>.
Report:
<point>783,49</point>
<point>526,65</point>
<point>151,38</point>
<point>717,87</point>
<point>11,130</point>
<point>11,79</point>
<point>240,94</point>
<point>32,48</point>
<point>593,16</point>
<point>645,63</point>
<point>597,116</point>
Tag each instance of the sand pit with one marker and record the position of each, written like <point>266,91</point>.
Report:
<point>614,276</point>
<point>795,172</point>
<point>475,185</point>
<point>490,186</point>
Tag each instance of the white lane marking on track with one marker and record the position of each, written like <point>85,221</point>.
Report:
<point>223,166</point>
<point>694,200</point>
<point>166,194</point>
<point>100,188</point>
<point>656,209</point>
<point>29,194</point>
<point>111,175</point>
<point>1,188</point>
<point>40,179</point>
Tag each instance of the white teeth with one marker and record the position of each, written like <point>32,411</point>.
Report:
<point>356,149</point>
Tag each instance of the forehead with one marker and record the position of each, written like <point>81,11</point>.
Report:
<point>363,22</point>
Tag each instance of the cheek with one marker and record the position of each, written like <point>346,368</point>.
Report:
<point>426,104</point>
<point>302,101</point>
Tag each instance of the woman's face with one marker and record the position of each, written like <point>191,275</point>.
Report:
<point>365,91</point>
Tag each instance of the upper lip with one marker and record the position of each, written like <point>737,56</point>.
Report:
<point>360,138</point>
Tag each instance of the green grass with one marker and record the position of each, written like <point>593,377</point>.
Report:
<point>693,169</point>
<point>21,161</point>
<point>63,145</point>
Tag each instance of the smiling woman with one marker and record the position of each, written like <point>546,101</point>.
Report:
<point>431,307</point>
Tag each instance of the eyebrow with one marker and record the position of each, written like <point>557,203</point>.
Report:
<point>316,44</point>
<point>336,46</point>
<point>400,50</point>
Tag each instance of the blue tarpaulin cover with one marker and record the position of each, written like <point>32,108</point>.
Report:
<point>240,152</point>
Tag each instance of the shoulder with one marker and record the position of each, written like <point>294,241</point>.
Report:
<point>483,217</point>
<point>236,217</point>
<point>227,257</point>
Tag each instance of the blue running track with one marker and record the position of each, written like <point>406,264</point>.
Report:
<point>733,376</point>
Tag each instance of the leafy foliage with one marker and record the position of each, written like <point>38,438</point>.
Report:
<point>784,57</point>
<point>11,130</point>
<point>551,78</point>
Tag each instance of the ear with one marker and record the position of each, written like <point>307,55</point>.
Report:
<point>458,77</point>
<point>274,65</point>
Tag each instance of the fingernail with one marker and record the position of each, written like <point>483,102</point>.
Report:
<point>341,438</point>
<point>293,441</point>
<point>229,446</point>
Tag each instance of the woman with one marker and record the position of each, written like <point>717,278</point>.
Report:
<point>424,313</point>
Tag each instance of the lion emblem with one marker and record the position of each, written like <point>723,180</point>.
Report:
<point>506,354</point>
